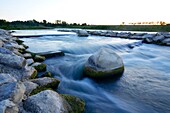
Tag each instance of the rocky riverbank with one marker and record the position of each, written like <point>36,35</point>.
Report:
<point>160,38</point>
<point>21,90</point>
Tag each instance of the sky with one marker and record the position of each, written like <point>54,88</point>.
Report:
<point>101,12</point>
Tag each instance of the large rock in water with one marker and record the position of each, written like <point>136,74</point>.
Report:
<point>104,63</point>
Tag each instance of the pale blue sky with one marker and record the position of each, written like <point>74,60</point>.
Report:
<point>89,11</point>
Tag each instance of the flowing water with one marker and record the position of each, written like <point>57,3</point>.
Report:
<point>143,88</point>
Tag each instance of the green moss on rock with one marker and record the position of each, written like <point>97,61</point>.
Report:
<point>76,103</point>
<point>52,86</point>
<point>34,75</point>
<point>19,41</point>
<point>100,74</point>
<point>38,90</point>
<point>46,74</point>
<point>39,58</point>
<point>40,67</point>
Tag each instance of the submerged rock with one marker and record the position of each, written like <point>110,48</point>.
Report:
<point>46,102</point>
<point>50,54</point>
<point>104,63</point>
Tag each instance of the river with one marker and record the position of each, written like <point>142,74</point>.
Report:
<point>143,88</point>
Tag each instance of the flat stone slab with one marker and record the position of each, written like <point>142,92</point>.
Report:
<point>51,54</point>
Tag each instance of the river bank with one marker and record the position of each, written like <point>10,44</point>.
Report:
<point>22,90</point>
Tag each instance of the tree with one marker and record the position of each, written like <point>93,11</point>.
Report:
<point>84,24</point>
<point>44,22</point>
<point>123,23</point>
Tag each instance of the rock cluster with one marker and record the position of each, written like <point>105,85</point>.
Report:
<point>160,38</point>
<point>21,91</point>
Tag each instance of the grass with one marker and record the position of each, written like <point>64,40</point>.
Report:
<point>151,28</point>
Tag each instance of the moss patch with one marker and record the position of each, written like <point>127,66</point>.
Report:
<point>41,67</point>
<point>39,58</point>
<point>100,74</point>
<point>34,75</point>
<point>76,103</point>
<point>46,74</point>
<point>19,41</point>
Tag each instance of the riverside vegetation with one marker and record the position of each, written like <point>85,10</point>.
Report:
<point>21,90</point>
<point>33,24</point>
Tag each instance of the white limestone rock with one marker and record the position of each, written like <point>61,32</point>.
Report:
<point>7,106</point>
<point>46,102</point>
<point>104,63</point>
<point>14,91</point>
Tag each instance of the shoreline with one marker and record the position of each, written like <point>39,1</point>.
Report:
<point>22,90</point>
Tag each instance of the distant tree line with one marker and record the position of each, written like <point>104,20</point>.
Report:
<point>34,24</point>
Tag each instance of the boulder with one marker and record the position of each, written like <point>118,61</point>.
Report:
<point>158,38</point>
<point>82,33</point>
<point>111,34</point>
<point>5,51</point>
<point>29,87</point>
<point>12,45</point>
<point>45,83</point>
<point>27,55</point>
<point>104,63</point>
<point>4,32</point>
<point>53,82</point>
<point>148,36</point>
<point>6,78</point>
<point>40,67</point>
<point>29,73</point>
<point>148,40</point>
<point>29,61</point>
<point>12,60</point>
<point>136,37</point>
<point>76,103</point>
<point>39,58</point>
<point>95,32</point>
<point>1,43</point>
<point>19,74</point>
<point>46,102</point>
<point>46,74</point>
<point>7,106</point>
<point>124,35</point>
<point>139,34</point>
<point>166,41</point>
<point>19,41</point>
<point>13,91</point>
